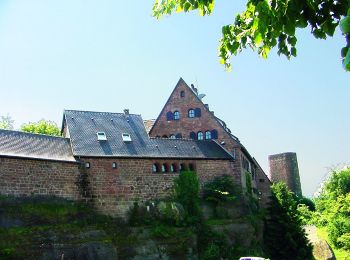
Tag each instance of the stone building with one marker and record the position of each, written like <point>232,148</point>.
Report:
<point>116,159</point>
<point>185,116</point>
<point>284,167</point>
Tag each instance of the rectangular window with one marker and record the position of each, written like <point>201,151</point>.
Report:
<point>101,136</point>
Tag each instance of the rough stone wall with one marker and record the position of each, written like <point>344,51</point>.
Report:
<point>185,125</point>
<point>263,185</point>
<point>205,122</point>
<point>26,177</point>
<point>115,190</point>
<point>284,167</point>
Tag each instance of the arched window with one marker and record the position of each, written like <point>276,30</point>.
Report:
<point>200,135</point>
<point>182,94</point>
<point>193,135</point>
<point>214,134</point>
<point>172,136</point>
<point>155,168</point>
<point>178,136</point>
<point>164,168</point>
<point>207,135</point>
<point>191,113</point>
<point>173,168</point>
<point>176,115</point>
<point>169,116</point>
<point>191,167</point>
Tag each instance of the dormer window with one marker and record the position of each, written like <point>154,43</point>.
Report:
<point>126,137</point>
<point>101,136</point>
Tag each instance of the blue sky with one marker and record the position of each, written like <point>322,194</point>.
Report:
<point>110,55</point>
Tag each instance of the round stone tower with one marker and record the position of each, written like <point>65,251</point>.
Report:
<point>284,167</point>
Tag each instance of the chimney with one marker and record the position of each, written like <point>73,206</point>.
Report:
<point>126,112</point>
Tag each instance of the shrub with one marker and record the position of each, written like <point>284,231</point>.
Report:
<point>186,192</point>
<point>221,189</point>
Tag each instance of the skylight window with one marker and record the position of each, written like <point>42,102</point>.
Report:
<point>126,137</point>
<point>101,136</point>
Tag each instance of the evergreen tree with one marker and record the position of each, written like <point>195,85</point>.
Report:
<point>284,235</point>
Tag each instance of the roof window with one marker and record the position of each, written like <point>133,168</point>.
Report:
<point>126,137</point>
<point>101,136</point>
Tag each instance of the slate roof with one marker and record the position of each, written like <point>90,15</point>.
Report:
<point>84,125</point>
<point>34,146</point>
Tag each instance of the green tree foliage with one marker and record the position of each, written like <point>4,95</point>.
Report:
<point>6,122</point>
<point>221,189</point>
<point>186,192</point>
<point>284,236</point>
<point>42,127</point>
<point>333,206</point>
<point>266,24</point>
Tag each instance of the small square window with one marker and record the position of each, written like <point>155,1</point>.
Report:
<point>87,165</point>
<point>101,136</point>
<point>261,180</point>
<point>126,137</point>
<point>114,165</point>
<point>182,94</point>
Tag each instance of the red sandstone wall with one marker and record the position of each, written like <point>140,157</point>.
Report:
<point>115,190</point>
<point>25,177</point>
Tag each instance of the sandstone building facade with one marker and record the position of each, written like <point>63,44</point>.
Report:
<point>115,159</point>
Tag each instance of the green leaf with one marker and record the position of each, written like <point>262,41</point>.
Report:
<point>344,51</point>
<point>258,39</point>
<point>345,25</point>
<point>346,61</point>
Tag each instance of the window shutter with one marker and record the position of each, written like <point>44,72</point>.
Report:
<point>197,112</point>
<point>169,116</point>
<point>214,134</point>
<point>193,135</point>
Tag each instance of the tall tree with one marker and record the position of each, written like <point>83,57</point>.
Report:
<point>333,205</point>
<point>284,236</point>
<point>6,122</point>
<point>42,127</point>
<point>269,23</point>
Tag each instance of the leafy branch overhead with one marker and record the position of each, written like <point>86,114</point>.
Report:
<point>266,24</point>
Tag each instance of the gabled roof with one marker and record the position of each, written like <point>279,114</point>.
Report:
<point>84,125</point>
<point>34,146</point>
<point>181,82</point>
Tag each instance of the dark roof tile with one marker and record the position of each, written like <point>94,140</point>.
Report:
<point>84,125</point>
<point>35,146</point>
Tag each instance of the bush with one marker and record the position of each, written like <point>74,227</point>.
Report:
<point>221,189</point>
<point>186,192</point>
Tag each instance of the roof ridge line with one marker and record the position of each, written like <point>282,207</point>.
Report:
<point>99,112</point>
<point>35,134</point>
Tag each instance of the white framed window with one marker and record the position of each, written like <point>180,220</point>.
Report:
<point>101,136</point>
<point>207,135</point>
<point>176,115</point>
<point>126,137</point>
<point>199,135</point>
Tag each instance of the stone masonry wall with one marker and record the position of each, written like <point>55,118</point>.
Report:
<point>115,190</point>
<point>26,177</point>
<point>284,167</point>
<point>112,191</point>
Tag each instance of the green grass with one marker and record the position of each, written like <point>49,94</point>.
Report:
<point>339,253</point>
